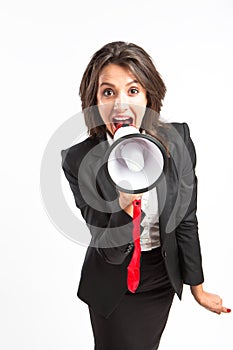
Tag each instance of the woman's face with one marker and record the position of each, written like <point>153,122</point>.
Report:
<point>120,97</point>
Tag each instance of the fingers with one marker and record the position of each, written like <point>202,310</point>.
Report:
<point>125,201</point>
<point>225,310</point>
<point>127,198</point>
<point>130,196</point>
<point>219,307</point>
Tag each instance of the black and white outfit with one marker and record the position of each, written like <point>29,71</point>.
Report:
<point>169,239</point>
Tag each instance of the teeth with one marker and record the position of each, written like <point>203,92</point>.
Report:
<point>121,119</point>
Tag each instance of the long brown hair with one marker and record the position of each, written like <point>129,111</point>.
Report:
<point>140,64</point>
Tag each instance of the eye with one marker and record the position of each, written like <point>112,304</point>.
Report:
<point>108,92</point>
<point>134,91</point>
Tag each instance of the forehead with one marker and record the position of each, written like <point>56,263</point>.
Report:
<point>114,72</point>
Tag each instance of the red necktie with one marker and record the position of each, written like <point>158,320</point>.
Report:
<point>134,265</point>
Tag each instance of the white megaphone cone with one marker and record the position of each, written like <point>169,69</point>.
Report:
<point>135,162</point>
<point>133,156</point>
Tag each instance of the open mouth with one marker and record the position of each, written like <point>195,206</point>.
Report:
<point>120,120</point>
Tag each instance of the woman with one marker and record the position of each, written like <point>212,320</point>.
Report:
<point>122,86</point>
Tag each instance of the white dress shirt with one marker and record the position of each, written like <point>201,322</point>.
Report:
<point>150,237</point>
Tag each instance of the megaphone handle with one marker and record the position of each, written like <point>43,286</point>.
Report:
<point>133,277</point>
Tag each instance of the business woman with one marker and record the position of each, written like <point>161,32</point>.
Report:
<point>122,86</point>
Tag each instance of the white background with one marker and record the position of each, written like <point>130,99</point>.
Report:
<point>45,47</point>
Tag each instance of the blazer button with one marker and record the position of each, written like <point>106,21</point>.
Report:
<point>164,253</point>
<point>129,248</point>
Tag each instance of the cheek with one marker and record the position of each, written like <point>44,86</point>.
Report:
<point>139,110</point>
<point>105,111</point>
<point>144,100</point>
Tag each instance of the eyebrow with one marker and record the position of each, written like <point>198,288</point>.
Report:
<point>109,84</point>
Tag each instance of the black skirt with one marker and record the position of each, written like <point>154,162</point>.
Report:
<point>138,321</point>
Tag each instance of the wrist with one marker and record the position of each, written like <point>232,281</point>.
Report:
<point>197,291</point>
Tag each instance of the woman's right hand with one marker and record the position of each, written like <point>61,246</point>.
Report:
<point>126,201</point>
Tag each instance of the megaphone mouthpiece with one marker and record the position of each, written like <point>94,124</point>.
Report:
<point>125,129</point>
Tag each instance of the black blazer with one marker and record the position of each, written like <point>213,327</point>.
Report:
<point>104,273</point>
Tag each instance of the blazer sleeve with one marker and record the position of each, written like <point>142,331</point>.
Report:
<point>111,231</point>
<point>187,230</point>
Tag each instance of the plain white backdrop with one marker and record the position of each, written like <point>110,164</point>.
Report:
<point>45,47</point>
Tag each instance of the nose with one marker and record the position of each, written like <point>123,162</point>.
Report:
<point>120,107</point>
<point>120,104</point>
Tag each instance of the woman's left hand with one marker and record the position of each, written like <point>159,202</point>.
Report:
<point>211,302</point>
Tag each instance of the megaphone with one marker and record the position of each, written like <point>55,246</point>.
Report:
<point>135,162</point>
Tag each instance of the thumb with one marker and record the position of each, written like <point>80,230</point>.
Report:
<point>225,310</point>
